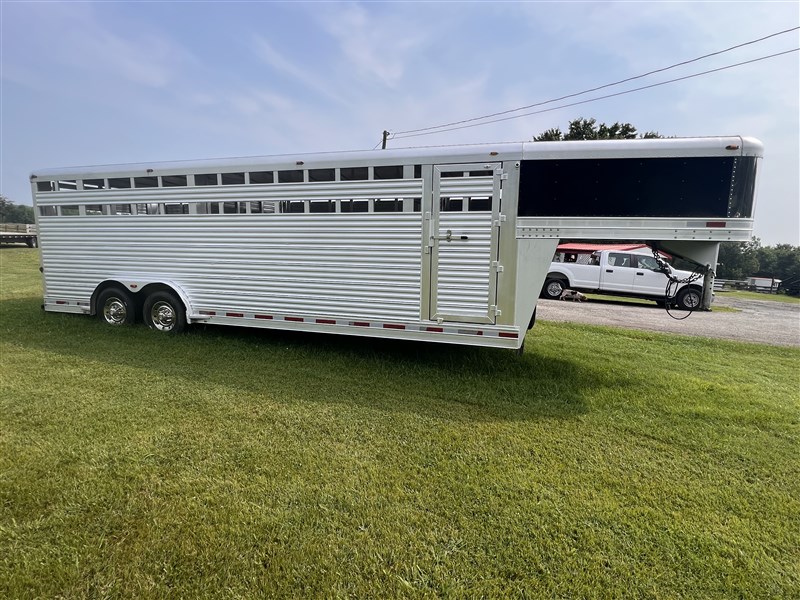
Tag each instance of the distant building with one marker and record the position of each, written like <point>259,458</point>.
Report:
<point>764,284</point>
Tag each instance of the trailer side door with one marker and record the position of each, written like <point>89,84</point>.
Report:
<point>463,242</point>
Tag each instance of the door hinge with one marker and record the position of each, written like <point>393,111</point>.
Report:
<point>504,176</point>
<point>493,310</point>
<point>499,220</point>
<point>497,266</point>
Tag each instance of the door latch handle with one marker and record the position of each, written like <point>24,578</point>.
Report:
<point>449,237</point>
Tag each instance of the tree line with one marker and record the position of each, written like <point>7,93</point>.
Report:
<point>744,259</point>
<point>15,213</point>
<point>590,129</point>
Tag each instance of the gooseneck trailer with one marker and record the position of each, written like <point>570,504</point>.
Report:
<point>445,244</point>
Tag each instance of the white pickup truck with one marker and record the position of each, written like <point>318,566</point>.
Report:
<point>634,273</point>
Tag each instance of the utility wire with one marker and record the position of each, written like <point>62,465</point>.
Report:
<point>587,91</point>
<point>402,135</point>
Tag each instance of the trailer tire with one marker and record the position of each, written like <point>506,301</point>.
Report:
<point>553,288</point>
<point>689,298</point>
<point>116,307</point>
<point>163,311</point>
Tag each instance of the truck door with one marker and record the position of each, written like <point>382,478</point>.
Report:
<point>463,242</point>
<point>617,274</point>
<point>648,280</point>
<point>586,272</point>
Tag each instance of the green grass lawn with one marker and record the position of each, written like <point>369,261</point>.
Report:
<point>759,296</point>
<point>235,463</point>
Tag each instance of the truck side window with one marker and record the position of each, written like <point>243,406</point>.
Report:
<point>647,262</point>
<point>594,260</point>
<point>619,260</point>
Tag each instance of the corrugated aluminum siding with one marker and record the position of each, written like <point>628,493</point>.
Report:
<point>364,265</point>
<point>464,266</point>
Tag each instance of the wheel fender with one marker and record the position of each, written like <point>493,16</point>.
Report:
<point>138,283</point>
<point>559,274</point>
<point>183,296</point>
<point>690,286</point>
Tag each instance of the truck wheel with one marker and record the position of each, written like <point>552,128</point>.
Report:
<point>163,311</point>
<point>553,288</point>
<point>689,299</point>
<point>116,307</point>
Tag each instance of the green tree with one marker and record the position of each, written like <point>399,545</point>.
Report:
<point>551,135</point>
<point>738,260</point>
<point>781,261</point>
<point>590,129</point>
<point>743,259</point>
<point>13,213</point>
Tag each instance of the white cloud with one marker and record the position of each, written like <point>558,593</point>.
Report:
<point>255,102</point>
<point>88,50</point>
<point>379,47</point>
<point>312,81</point>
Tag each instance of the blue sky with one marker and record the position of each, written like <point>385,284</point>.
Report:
<point>99,83</point>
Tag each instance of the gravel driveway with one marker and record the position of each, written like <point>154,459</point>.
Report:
<point>760,321</point>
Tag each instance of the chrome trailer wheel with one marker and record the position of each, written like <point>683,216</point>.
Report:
<point>164,312</point>
<point>116,307</point>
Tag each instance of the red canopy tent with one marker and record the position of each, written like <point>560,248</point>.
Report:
<point>581,248</point>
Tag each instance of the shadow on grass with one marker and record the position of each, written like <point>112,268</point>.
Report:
<point>454,382</point>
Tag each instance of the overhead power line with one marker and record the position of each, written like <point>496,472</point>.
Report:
<point>467,124</point>
<point>450,126</point>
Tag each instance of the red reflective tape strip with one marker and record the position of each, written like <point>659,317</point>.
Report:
<point>234,314</point>
<point>393,326</point>
<point>435,329</point>
<point>326,321</point>
<point>61,302</point>
<point>716,223</point>
<point>360,324</point>
<point>294,319</point>
<point>263,316</point>
<point>508,334</point>
<point>210,313</point>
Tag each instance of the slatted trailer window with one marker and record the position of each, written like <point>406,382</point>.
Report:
<point>255,207</point>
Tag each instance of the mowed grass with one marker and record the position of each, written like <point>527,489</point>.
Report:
<point>744,294</point>
<point>235,463</point>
